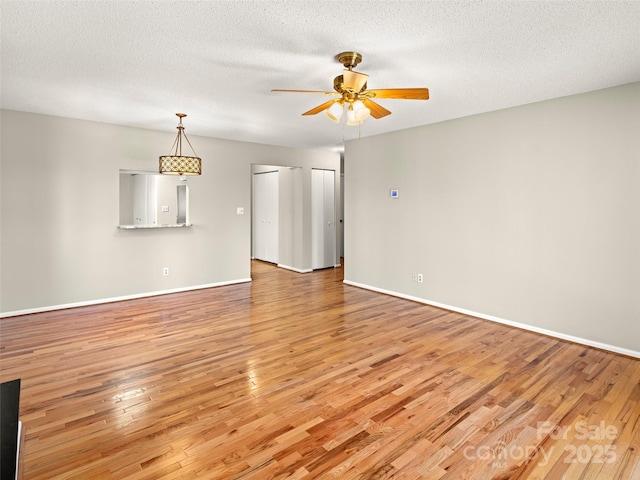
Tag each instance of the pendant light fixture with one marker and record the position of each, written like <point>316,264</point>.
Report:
<point>177,164</point>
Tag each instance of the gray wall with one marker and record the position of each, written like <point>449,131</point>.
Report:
<point>528,215</point>
<point>60,209</point>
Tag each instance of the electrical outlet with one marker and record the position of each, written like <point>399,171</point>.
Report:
<point>165,271</point>
<point>420,278</point>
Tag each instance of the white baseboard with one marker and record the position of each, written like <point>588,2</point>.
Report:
<point>293,269</point>
<point>118,299</point>
<point>523,326</point>
<point>301,270</point>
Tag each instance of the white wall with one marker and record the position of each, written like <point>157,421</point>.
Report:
<point>60,209</point>
<point>529,215</point>
<point>167,195</point>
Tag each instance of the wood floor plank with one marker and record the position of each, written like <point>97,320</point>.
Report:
<point>300,376</point>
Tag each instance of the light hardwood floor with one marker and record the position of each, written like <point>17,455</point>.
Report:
<point>300,376</point>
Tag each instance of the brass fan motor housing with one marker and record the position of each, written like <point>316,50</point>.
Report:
<point>349,59</point>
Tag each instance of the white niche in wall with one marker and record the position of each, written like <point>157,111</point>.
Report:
<point>151,200</point>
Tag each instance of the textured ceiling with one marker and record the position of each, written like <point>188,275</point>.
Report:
<point>139,62</point>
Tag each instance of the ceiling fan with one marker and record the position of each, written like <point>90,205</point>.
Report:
<point>352,94</point>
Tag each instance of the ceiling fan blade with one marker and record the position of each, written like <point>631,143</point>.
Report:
<point>320,108</point>
<point>354,80</point>
<point>304,91</point>
<point>400,93</point>
<point>377,111</point>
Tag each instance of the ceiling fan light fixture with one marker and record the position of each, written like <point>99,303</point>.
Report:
<point>360,111</point>
<point>352,119</point>
<point>334,112</point>
<point>352,89</point>
<point>177,164</point>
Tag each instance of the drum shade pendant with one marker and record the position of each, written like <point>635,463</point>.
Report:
<point>176,163</point>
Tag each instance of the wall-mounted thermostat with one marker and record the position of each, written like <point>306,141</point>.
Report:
<point>394,193</point>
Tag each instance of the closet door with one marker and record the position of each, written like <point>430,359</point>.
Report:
<point>323,225</point>
<point>265,216</point>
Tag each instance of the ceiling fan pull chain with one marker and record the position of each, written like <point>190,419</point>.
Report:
<point>344,123</point>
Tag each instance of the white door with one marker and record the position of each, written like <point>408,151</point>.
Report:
<point>144,199</point>
<point>323,225</point>
<point>265,216</point>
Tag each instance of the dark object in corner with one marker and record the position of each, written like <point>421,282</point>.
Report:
<point>9,440</point>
